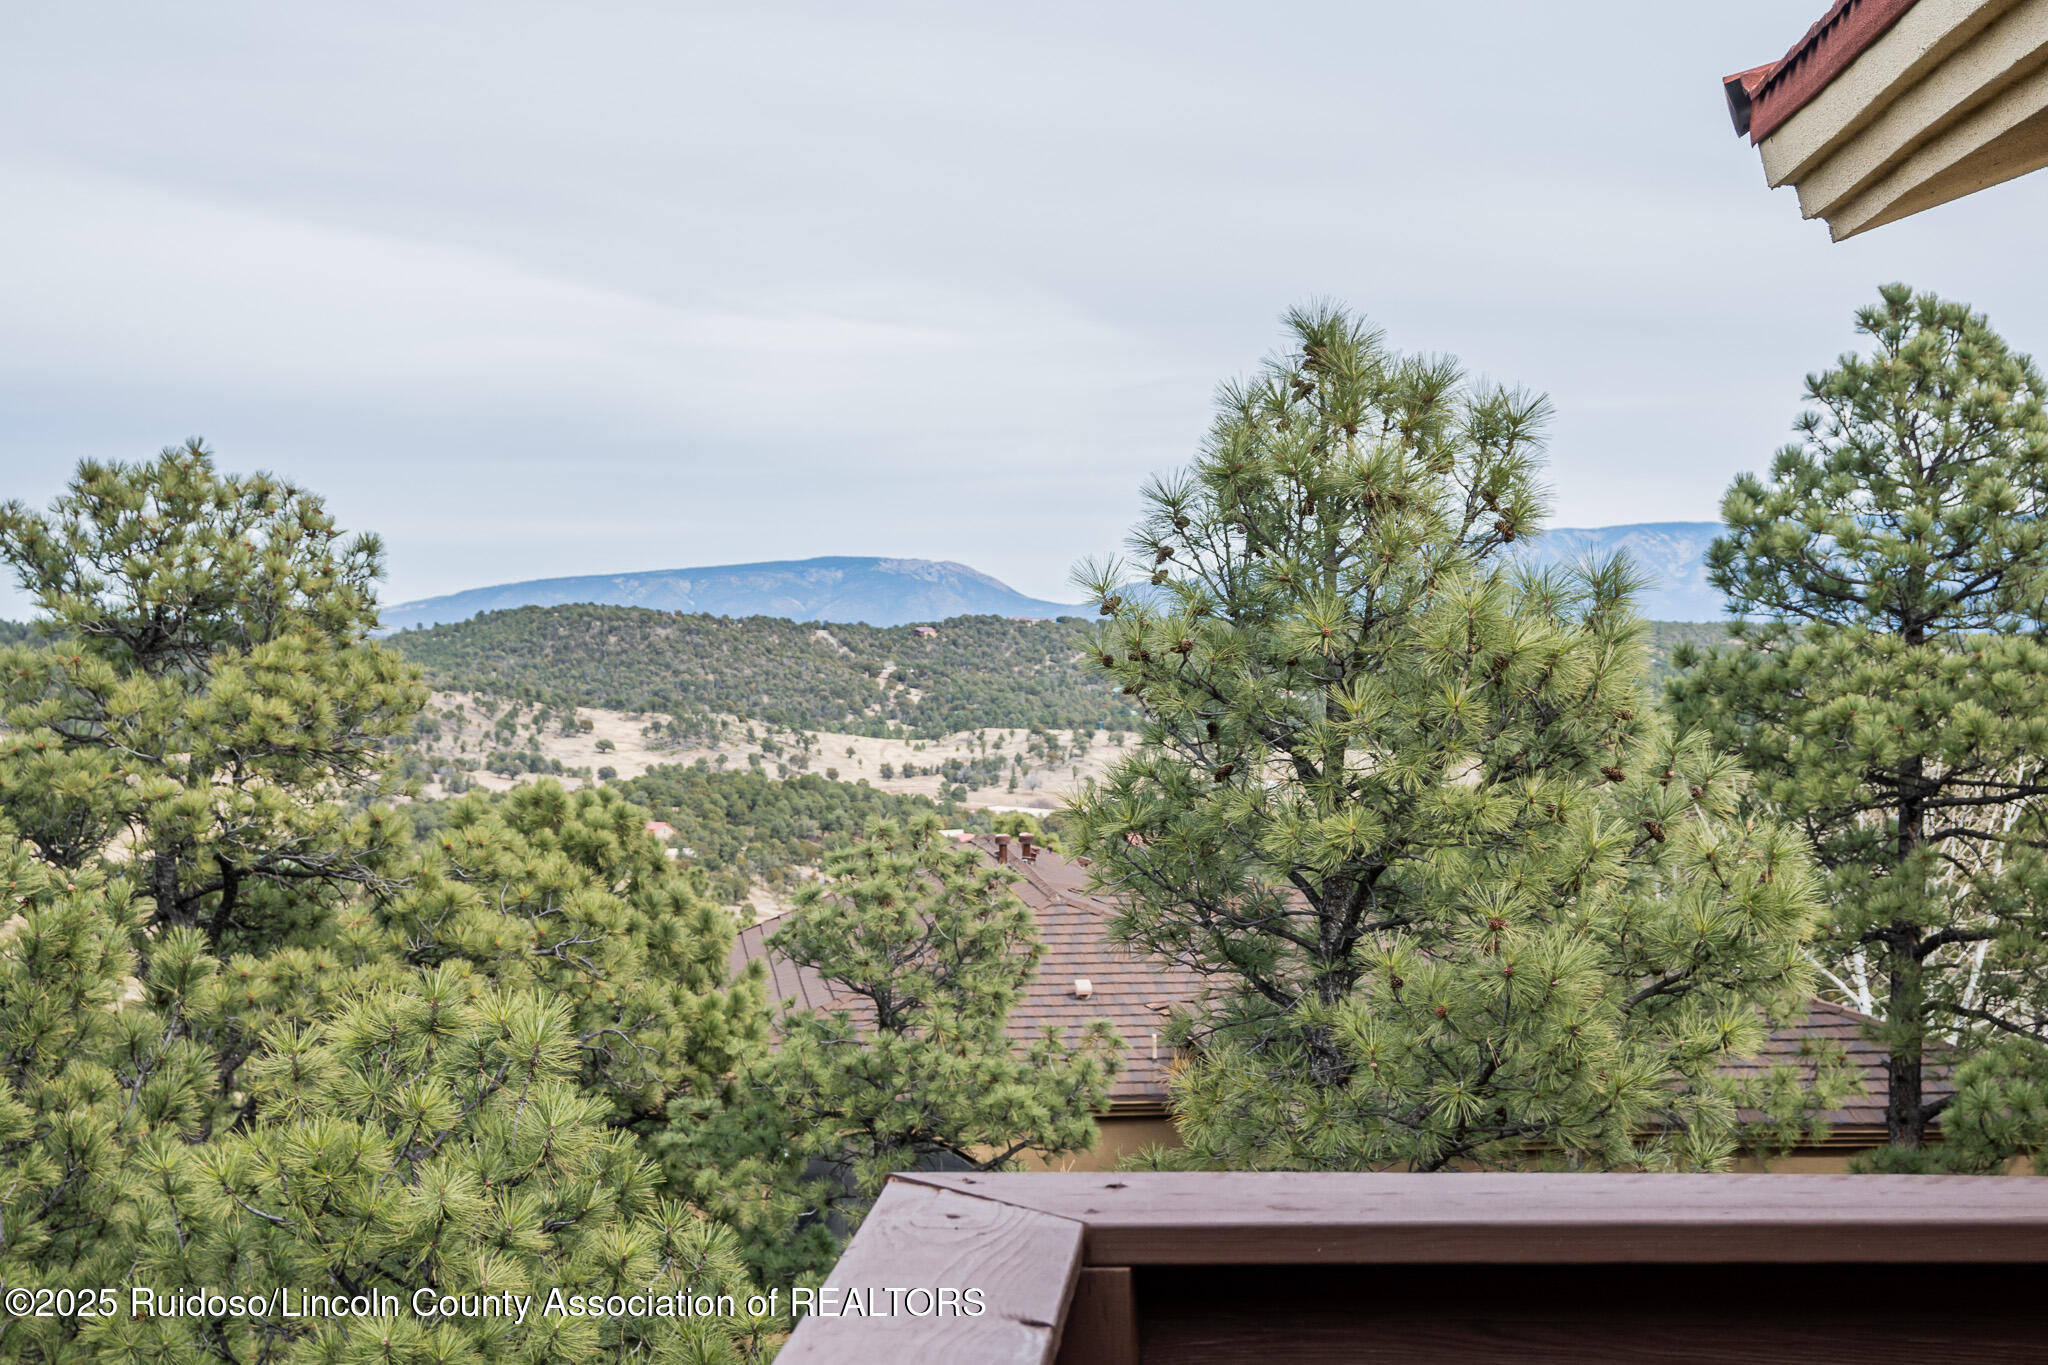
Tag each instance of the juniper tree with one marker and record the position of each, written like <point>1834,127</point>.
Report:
<point>1460,895</point>
<point>209,685</point>
<point>927,951</point>
<point>1890,690</point>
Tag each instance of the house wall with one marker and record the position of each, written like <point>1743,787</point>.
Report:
<point>1802,1161</point>
<point>1835,1158</point>
<point>1122,1135</point>
<point>1950,101</point>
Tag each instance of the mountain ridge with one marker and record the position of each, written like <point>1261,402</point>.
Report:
<point>1671,554</point>
<point>874,590</point>
<point>881,590</point>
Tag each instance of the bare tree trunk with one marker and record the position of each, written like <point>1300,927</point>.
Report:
<point>1904,1107</point>
<point>163,887</point>
<point>1905,1116</point>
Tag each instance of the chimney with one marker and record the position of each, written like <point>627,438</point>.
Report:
<point>1030,849</point>
<point>1002,848</point>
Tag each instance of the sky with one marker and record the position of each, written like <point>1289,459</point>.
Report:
<point>534,290</point>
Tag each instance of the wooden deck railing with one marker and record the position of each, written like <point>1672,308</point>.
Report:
<point>1194,1269</point>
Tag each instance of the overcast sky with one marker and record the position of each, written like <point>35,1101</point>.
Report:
<point>574,288</point>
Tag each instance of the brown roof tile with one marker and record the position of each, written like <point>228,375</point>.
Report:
<point>1824,1023</point>
<point>1136,995</point>
<point>1132,993</point>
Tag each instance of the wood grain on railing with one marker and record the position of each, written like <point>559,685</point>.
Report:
<point>916,1237</point>
<point>1268,1218</point>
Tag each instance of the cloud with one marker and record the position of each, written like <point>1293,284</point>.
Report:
<point>543,290</point>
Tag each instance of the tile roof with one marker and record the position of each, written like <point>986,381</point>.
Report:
<point>1132,993</point>
<point>1826,1022</point>
<point>1763,97</point>
<point>1136,995</point>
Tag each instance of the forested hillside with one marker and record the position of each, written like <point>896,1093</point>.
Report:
<point>1667,636</point>
<point>978,671</point>
<point>746,829</point>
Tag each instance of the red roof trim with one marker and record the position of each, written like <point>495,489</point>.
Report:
<point>1741,90</point>
<point>1842,35</point>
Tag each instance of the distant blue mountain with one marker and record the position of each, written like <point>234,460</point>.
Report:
<point>895,592</point>
<point>1672,553</point>
<point>879,592</point>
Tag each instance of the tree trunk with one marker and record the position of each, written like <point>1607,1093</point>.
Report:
<point>163,887</point>
<point>1905,1029</point>
<point>1334,978</point>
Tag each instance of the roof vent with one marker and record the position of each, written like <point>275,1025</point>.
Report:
<point>1083,988</point>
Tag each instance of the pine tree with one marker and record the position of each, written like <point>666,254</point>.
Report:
<point>1462,897</point>
<point>324,1118</point>
<point>82,1084</point>
<point>931,951</point>
<point>566,894</point>
<point>1891,689</point>
<point>210,672</point>
<point>428,1133</point>
<point>318,1053</point>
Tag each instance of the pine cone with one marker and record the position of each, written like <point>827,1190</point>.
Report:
<point>1614,774</point>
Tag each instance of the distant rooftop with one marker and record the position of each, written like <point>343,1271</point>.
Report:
<point>1137,995</point>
